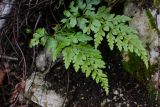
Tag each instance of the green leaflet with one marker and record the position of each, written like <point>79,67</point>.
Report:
<point>111,40</point>
<point>68,55</point>
<point>82,23</point>
<point>40,36</point>
<point>93,2</point>
<point>51,43</point>
<point>98,37</point>
<point>67,13</point>
<point>96,25</point>
<point>73,9</point>
<point>88,59</point>
<point>81,4</point>
<point>103,12</point>
<point>73,22</point>
<point>82,37</point>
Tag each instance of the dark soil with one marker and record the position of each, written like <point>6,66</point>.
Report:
<point>125,91</point>
<point>84,92</point>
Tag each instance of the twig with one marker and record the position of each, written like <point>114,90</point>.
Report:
<point>11,44</point>
<point>15,39</point>
<point>8,57</point>
<point>37,21</point>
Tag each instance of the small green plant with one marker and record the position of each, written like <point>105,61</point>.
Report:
<point>84,23</point>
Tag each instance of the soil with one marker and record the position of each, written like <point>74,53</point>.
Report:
<point>125,91</point>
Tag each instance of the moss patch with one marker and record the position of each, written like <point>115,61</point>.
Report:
<point>137,69</point>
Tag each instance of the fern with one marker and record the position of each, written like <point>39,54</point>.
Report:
<point>103,24</point>
<point>88,59</point>
<point>39,37</point>
<point>75,49</point>
<point>83,23</point>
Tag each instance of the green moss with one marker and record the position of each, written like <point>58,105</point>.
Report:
<point>152,20</point>
<point>152,93</point>
<point>137,68</point>
<point>156,3</point>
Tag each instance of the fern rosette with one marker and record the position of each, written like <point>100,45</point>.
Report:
<point>83,23</point>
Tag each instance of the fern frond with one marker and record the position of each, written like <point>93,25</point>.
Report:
<point>82,23</point>
<point>39,37</point>
<point>98,37</point>
<point>102,12</point>
<point>102,78</point>
<point>128,41</point>
<point>120,19</point>
<point>111,40</point>
<point>65,39</point>
<point>89,60</point>
<point>68,55</point>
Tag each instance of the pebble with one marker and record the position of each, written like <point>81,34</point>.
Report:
<point>119,89</point>
<point>116,104</point>
<point>135,103</point>
<point>119,105</point>
<point>82,98</point>
<point>104,102</point>
<point>124,103</point>
<point>108,100</point>
<point>123,99</point>
<point>115,98</point>
<point>116,92</point>
<point>121,95</point>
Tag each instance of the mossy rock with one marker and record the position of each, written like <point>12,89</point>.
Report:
<point>137,69</point>
<point>156,3</point>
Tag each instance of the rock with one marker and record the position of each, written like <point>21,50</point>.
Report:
<point>104,102</point>
<point>158,21</point>
<point>115,92</point>
<point>119,89</point>
<point>121,95</point>
<point>36,91</point>
<point>44,59</point>
<point>5,9</point>
<point>119,105</point>
<point>108,100</point>
<point>135,103</point>
<point>115,98</point>
<point>141,22</point>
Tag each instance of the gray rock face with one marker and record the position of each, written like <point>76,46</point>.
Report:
<point>5,9</point>
<point>147,34</point>
<point>36,91</point>
<point>44,59</point>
